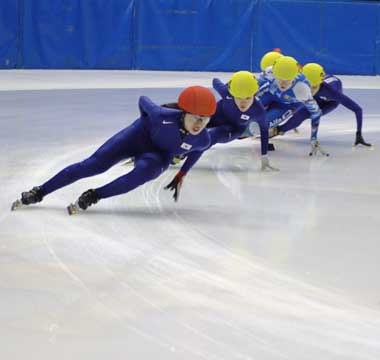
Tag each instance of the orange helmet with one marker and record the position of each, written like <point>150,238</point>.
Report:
<point>197,100</point>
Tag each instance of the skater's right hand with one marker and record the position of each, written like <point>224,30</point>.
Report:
<point>176,184</point>
<point>316,148</point>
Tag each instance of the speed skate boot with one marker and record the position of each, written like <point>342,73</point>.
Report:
<point>32,196</point>
<point>88,198</point>
<point>28,197</point>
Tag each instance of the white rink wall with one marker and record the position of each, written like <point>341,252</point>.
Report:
<point>120,79</point>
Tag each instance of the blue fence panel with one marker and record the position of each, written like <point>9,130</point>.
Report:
<point>349,38</point>
<point>78,34</point>
<point>292,26</point>
<point>341,35</point>
<point>10,13</point>
<point>199,35</point>
<point>377,42</point>
<point>194,34</point>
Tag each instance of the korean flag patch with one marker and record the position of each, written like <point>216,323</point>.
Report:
<point>186,146</point>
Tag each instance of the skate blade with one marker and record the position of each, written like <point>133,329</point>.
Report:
<point>254,137</point>
<point>72,209</point>
<point>355,147</point>
<point>16,205</point>
<point>128,162</point>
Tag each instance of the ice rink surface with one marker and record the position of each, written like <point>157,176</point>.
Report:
<point>247,265</point>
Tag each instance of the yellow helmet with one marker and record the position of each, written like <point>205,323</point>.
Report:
<point>285,68</point>
<point>269,58</point>
<point>314,73</point>
<point>243,84</point>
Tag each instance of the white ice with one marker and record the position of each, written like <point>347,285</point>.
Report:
<point>247,265</point>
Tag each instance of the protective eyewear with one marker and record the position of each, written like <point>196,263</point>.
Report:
<point>198,118</point>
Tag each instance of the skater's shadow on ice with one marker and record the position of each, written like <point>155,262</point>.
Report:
<point>196,214</point>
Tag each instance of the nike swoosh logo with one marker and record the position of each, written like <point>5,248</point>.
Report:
<point>229,97</point>
<point>167,122</point>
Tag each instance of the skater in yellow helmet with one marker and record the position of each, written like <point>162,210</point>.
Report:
<point>238,109</point>
<point>266,64</point>
<point>269,59</point>
<point>288,96</point>
<point>327,90</point>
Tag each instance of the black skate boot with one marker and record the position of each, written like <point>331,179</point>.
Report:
<point>88,198</point>
<point>28,197</point>
<point>32,196</point>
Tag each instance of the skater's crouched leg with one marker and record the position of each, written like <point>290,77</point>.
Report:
<point>86,168</point>
<point>147,167</point>
<point>91,166</point>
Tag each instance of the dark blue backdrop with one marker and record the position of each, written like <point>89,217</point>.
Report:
<point>201,35</point>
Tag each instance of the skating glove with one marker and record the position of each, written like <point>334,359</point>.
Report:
<point>176,184</point>
<point>359,139</point>
<point>316,148</point>
<point>265,164</point>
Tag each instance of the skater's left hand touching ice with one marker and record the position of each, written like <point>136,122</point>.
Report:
<point>176,184</point>
<point>265,164</point>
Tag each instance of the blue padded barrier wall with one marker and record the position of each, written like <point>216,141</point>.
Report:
<point>10,14</point>
<point>352,50</point>
<point>198,35</point>
<point>377,42</point>
<point>194,34</point>
<point>78,34</point>
<point>338,34</point>
<point>276,20</point>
